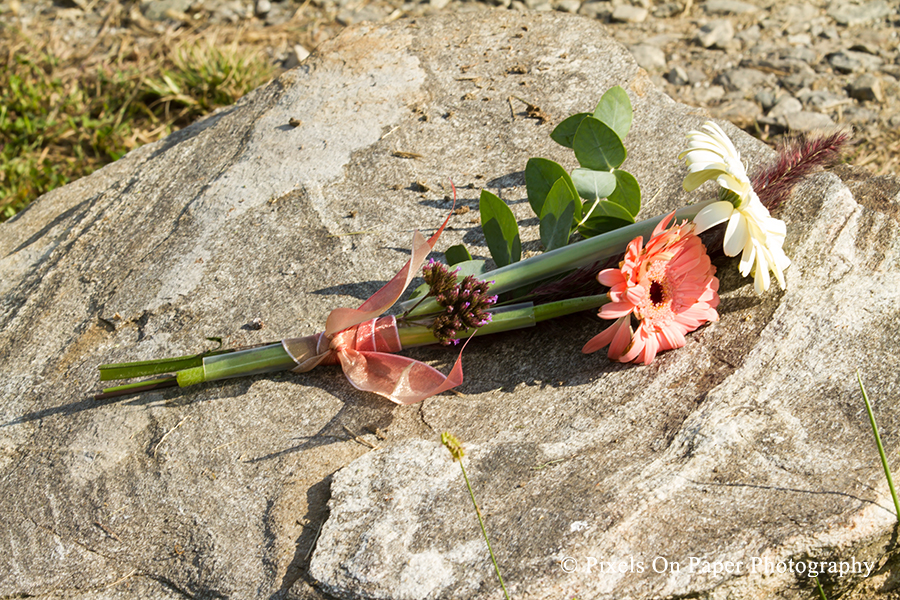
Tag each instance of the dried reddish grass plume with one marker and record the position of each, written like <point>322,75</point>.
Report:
<point>797,158</point>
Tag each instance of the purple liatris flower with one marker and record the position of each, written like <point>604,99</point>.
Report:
<point>439,278</point>
<point>465,304</point>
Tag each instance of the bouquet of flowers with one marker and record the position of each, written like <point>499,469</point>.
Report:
<point>652,279</point>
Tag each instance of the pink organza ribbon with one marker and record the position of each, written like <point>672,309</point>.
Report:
<point>363,344</point>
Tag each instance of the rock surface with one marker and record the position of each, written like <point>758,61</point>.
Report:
<point>808,46</point>
<point>751,442</point>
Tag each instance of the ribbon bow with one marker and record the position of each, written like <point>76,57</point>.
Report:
<point>363,344</point>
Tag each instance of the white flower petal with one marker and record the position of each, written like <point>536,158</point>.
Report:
<point>712,215</point>
<point>751,230</point>
<point>695,180</point>
<point>736,234</point>
<point>748,258</point>
<point>728,181</point>
<point>721,137</point>
<point>761,279</point>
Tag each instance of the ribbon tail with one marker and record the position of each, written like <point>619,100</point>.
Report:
<point>342,318</point>
<point>308,352</point>
<point>397,378</point>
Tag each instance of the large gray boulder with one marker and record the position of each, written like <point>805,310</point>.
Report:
<point>750,443</point>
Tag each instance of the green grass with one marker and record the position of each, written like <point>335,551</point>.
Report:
<point>64,115</point>
<point>456,450</point>
<point>879,445</point>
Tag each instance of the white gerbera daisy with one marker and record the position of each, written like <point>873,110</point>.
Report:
<point>751,231</point>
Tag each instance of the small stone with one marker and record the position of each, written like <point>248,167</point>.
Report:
<point>802,54</point>
<point>867,87</point>
<point>827,33</point>
<point>892,71</point>
<point>677,76</point>
<point>798,82</point>
<point>626,13</point>
<point>715,34</point>
<point>158,10</point>
<point>667,10</point>
<point>705,95</point>
<point>867,47</point>
<point>438,4</point>
<point>696,76</point>
<point>296,56</point>
<point>569,6</point>
<point>849,14</point>
<point>649,57</point>
<point>750,35</point>
<point>805,121</point>
<point>766,98</point>
<point>729,7</point>
<point>786,105</point>
<point>860,115</point>
<point>823,100</point>
<point>743,79</point>
<point>799,39</point>
<point>797,18</point>
<point>596,10</point>
<point>262,8</point>
<point>743,113</point>
<point>848,61</point>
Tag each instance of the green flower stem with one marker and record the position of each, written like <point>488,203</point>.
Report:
<point>253,361</point>
<point>273,357</point>
<point>567,258</point>
<point>137,387</point>
<point>145,368</point>
<point>507,318</point>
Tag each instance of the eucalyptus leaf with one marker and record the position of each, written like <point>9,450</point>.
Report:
<point>469,267</point>
<point>419,291</point>
<point>556,217</point>
<point>564,133</point>
<point>627,193</point>
<point>500,229</point>
<point>602,216</point>
<point>540,175</point>
<point>597,146</point>
<point>457,254</point>
<point>599,225</point>
<point>592,185</point>
<point>614,109</point>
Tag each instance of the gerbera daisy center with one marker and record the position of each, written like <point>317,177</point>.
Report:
<point>657,293</point>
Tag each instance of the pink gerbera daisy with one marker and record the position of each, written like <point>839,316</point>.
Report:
<point>667,286</point>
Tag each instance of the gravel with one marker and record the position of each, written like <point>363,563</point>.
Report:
<point>752,62</point>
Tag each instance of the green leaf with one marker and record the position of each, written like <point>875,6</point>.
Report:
<point>604,216</point>
<point>469,267</point>
<point>540,175</point>
<point>457,254</point>
<point>500,229</point>
<point>592,185</point>
<point>600,225</point>
<point>564,134</point>
<point>615,110</point>
<point>556,218</point>
<point>419,291</point>
<point>597,146</point>
<point>627,193</point>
